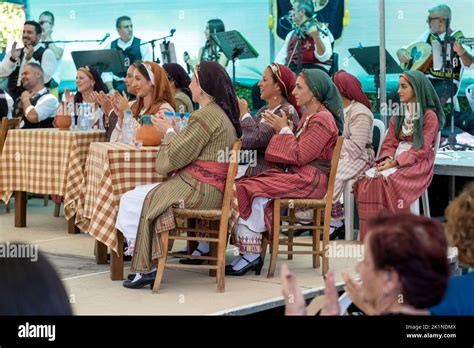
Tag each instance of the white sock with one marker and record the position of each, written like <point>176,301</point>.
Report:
<point>151,271</point>
<point>203,247</point>
<point>335,224</point>
<point>242,262</point>
<point>137,277</point>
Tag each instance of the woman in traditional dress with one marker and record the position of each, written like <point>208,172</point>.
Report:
<point>307,157</point>
<point>357,154</point>
<point>180,81</point>
<point>276,87</point>
<point>190,154</point>
<point>210,52</point>
<point>153,93</point>
<point>404,169</point>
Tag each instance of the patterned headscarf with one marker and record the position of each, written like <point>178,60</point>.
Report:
<point>181,79</point>
<point>350,87</point>
<point>162,89</point>
<point>215,81</point>
<point>426,99</point>
<point>326,92</point>
<point>286,80</point>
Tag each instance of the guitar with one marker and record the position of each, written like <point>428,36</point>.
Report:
<point>422,57</point>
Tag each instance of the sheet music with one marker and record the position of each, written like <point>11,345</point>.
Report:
<point>438,55</point>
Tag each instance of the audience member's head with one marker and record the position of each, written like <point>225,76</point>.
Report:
<point>277,81</point>
<point>32,77</point>
<point>31,33</point>
<point>350,88</point>
<point>88,80</point>
<point>129,78</point>
<point>178,77</point>
<point>460,226</point>
<point>405,263</point>
<point>30,284</point>
<point>124,28</point>
<point>151,83</point>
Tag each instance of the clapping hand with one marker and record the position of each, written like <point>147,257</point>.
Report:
<point>276,122</point>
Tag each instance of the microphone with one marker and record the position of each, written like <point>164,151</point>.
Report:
<point>105,38</point>
<point>287,17</point>
<point>188,68</point>
<point>172,31</point>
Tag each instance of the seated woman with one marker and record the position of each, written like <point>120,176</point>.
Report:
<point>357,155</point>
<point>306,156</point>
<point>404,270</point>
<point>88,81</point>
<point>276,87</point>
<point>459,298</point>
<point>190,154</point>
<point>153,93</point>
<point>210,52</point>
<point>404,169</point>
<point>105,101</point>
<point>180,81</point>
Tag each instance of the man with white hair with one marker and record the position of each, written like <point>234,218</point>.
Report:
<point>439,19</point>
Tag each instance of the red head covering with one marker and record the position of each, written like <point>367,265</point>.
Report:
<point>286,80</point>
<point>349,87</point>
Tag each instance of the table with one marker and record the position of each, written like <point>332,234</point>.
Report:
<point>111,170</point>
<point>451,163</point>
<point>44,161</point>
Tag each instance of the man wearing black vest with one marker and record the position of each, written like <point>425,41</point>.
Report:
<point>15,61</point>
<point>132,52</point>
<point>37,106</point>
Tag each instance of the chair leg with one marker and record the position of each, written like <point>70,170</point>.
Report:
<point>291,233</point>
<point>57,209</point>
<point>316,233</point>
<point>426,204</point>
<point>265,243</point>
<point>161,261</point>
<point>221,249</point>
<point>349,211</point>
<point>45,200</point>
<point>7,207</point>
<point>275,239</point>
<point>327,224</point>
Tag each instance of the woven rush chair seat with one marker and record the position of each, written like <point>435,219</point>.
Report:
<point>213,214</point>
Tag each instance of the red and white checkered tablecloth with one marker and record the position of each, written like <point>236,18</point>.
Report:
<point>45,161</point>
<point>111,170</point>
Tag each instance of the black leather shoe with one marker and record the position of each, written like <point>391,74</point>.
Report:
<point>256,265</point>
<point>298,232</point>
<point>339,233</point>
<point>146,279</point>
<point>185,261</point>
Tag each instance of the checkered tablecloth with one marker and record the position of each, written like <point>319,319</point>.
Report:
<point>45,161</point>
<point>111,170</point>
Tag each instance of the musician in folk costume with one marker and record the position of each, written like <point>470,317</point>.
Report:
<point>439,20</point>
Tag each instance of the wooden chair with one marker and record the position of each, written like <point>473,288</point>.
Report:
<point>218,233</point>
<point>7,124</point>
<point>306,204</point>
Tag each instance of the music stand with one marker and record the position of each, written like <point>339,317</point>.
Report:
<point>369,60</point>
<point>101,60</point>
<point>234,45</point>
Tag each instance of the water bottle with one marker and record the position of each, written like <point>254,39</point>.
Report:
<point>70,110</point>
<point>81,118</point>
<point>101,122</point>
<point>127,128</point>
<point>86,117</point>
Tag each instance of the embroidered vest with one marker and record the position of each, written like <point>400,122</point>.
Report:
<point>47,123</point>
<point>131,54</point>
<point>456,61</point>
<point>307,51</point>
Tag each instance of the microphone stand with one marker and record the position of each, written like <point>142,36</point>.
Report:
<point>152,42</point>
<point>69,41</point>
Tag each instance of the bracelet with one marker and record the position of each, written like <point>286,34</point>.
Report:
<point>28,109</point>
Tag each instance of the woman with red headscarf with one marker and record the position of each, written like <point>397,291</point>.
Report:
<point>357,154</point>
<point>276,86</point>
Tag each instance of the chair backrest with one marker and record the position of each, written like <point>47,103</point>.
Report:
<point>334,164</point>
<point>229,183</point>
<point>437,142</point>
<point>6,125</point>
<point>377,138</point>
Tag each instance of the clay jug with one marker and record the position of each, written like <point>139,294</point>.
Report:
<point>148,133</point>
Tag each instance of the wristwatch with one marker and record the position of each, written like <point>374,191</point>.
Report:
<point>13,60</point>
